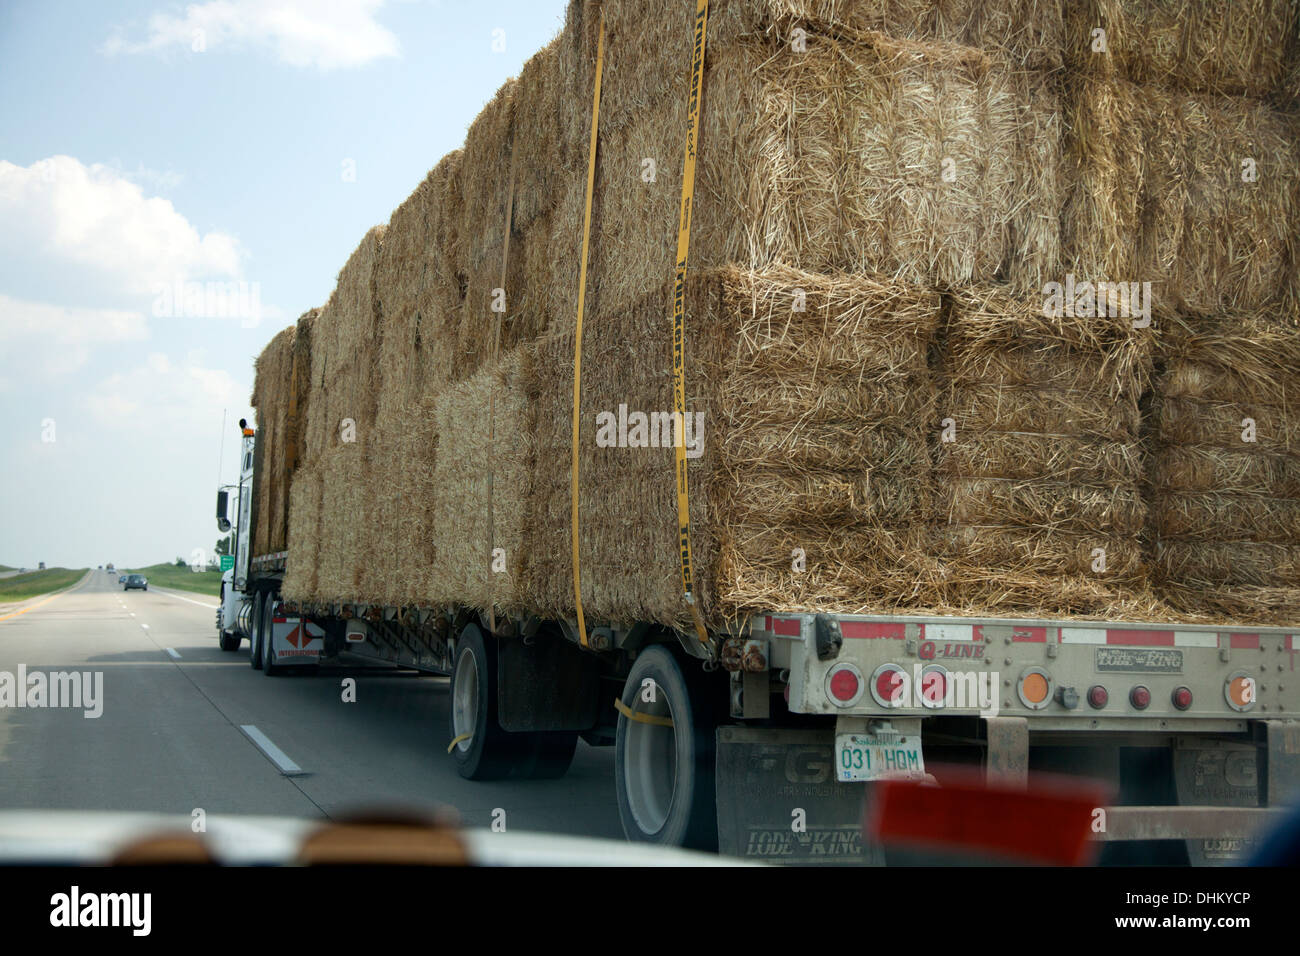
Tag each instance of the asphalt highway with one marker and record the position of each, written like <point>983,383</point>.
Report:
<point>169,738</point>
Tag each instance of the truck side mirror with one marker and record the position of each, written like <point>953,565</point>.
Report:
<point>223,523</point>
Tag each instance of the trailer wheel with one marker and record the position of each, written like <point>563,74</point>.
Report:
<point>228,641</point>
<point>255,638</point>
<point>269,667</point>
<point>487,752</point>
<point>664,774</point>
<point>548,754</point>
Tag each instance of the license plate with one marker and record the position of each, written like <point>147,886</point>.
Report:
<point>860,757</point>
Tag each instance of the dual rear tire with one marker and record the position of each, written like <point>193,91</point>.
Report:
<point>482,749</point>
<point>261,649</point>
<point>664,755</point>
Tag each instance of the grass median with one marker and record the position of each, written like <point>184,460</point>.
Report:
<point>181,579</point>
<point>20,587</point>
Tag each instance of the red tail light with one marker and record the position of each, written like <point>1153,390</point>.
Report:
<point>1098,697</point>
<point>1182,698</point>
<point>844,684</point>
<point>1139,697</point>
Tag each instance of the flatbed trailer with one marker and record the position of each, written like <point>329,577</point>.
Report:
<point>794,716</point>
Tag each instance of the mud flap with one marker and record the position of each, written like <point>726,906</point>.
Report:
<point>779,801</point>
<point>1216,773</point>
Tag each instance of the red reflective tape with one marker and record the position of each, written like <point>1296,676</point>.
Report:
<point>785,626</point>
<point>1140,638</point>
<point>1045,824</point>
<point>279,620</point>
<point>869,630</point>
<point>1248,642</point>
<point>1030,635</point>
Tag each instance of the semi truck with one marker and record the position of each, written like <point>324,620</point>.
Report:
<point>765,741</point>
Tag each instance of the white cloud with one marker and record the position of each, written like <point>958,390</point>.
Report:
<point>328,34</point>
<point>94,219</point>
<point>162,397</point>
<point>56,339</point>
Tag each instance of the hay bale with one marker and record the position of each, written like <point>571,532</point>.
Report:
<point>301,377</point>
<point>479,493</point>
<point>546,161</point>
<point>1215,46</point>
<point>776,463</point>
<point>416,291</point>
<point>833,159</point>
<point>1159,195</point>
<point>1225,472</point>
<point>342,537</point>
<point>1044,466</point>
<point>300,576</point>
<point>272,387</point>
<point>349,325</point>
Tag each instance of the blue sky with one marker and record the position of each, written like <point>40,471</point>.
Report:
<point>147,143</point>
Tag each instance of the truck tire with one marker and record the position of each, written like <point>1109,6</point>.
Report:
<point>228,641</point>
<point>548,754</point>
<point>255,638</point>
<point>488,753</point>
<point>269,667</point>
<point>664,774</point>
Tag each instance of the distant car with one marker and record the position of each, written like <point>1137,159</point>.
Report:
<point>121,579</point>
<point>135,581</point>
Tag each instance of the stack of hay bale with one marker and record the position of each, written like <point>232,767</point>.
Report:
<point>271,397</point>
<point>891,421</point>
<point>1225,468</point>
<point>1188,149</point>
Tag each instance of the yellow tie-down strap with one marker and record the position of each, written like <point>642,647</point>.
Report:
<point>679,312</point>
<point>577,342</point>
<point>640,718</point>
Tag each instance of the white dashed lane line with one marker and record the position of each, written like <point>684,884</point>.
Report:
<point>272,752</point>
<point>172,652</point>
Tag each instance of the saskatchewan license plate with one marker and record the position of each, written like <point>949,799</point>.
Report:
<point>860,757</point>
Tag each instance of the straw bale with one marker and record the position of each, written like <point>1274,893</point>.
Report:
<point>481,490</point>
<point>780,459</point>
<point>1225,516</point>
<point>1042,411</point>
<point>1045,462</point>
<point>824,160</point>
<point>546,161</point>
<point>1047,551</point>
<point>1159,195</point>
<point>271,391</point>
<point>304,534</point>
<point>1185,422</point>
<point>301,373</point>
<point>1200,468</point>
<point>1043,504</point>
<point>1229,516</point>
<point>1217,46</point>
<point>343,535</point>
<point>1226,567</point>
<point>416,290</point>
<point>405,507</point>
<point>849,568</point>
<point>1026,456</point>
<point>485,181</point>
<point>348,325</point>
